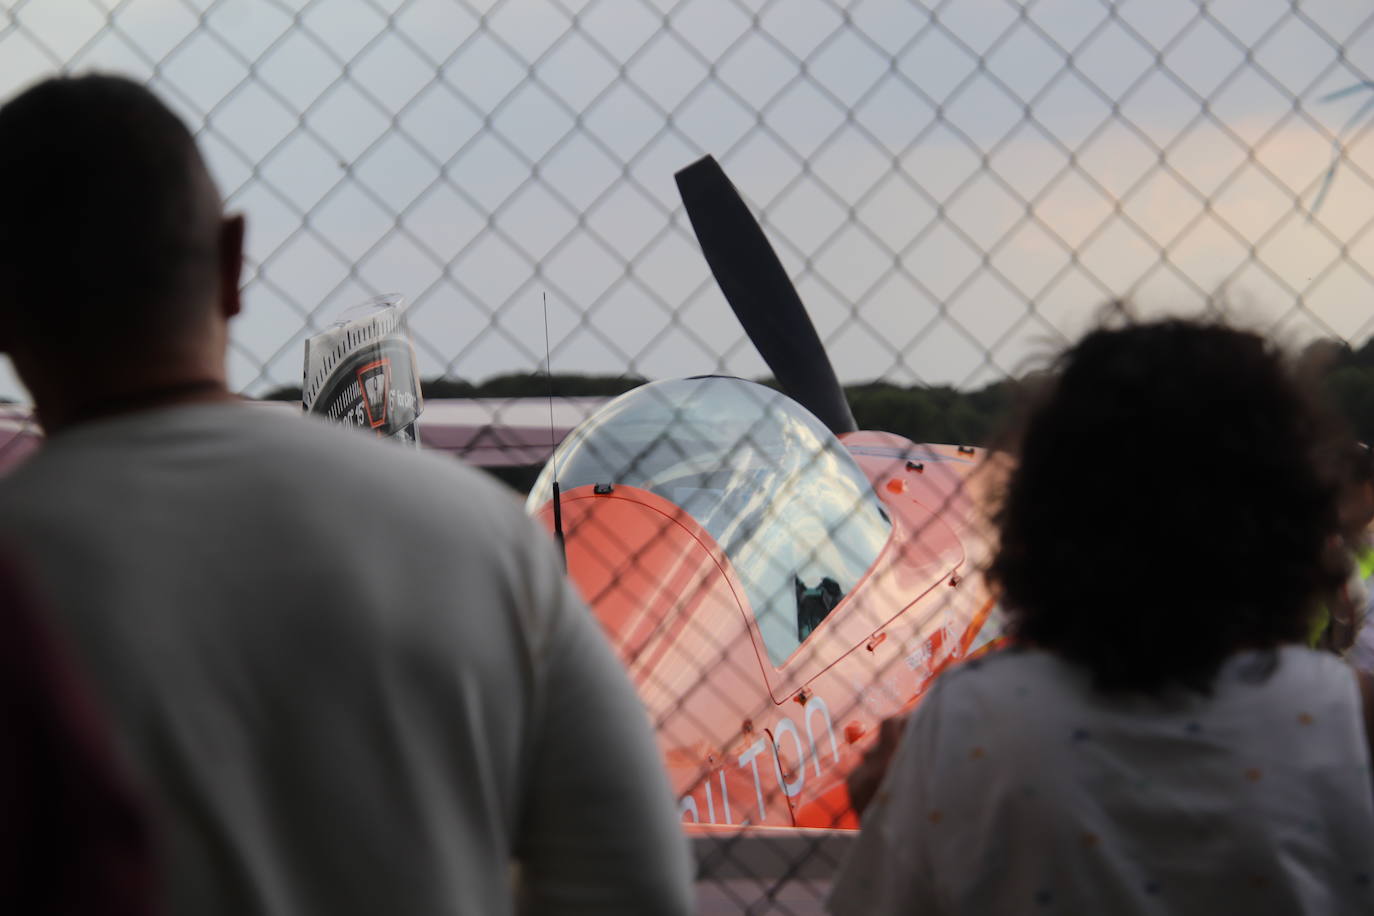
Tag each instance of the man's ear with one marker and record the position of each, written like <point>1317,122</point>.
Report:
<point>230,264</point>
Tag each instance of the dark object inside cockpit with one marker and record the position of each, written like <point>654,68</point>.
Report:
<point>813,604</point>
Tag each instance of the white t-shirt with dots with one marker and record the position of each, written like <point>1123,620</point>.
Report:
<point>1019,789</point>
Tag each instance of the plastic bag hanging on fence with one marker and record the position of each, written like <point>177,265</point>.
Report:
<point>360,371</point>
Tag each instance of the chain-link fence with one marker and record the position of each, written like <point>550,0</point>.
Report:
<point>954,187</point>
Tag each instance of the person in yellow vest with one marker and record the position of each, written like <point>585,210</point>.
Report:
<point>1361,652</point>
<point>1340,621</point>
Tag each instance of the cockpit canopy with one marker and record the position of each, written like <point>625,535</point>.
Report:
<point>797,519</point>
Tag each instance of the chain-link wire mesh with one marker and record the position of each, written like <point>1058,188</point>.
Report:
<point>954,187</point>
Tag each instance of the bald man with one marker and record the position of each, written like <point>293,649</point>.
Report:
<point>351,679</point>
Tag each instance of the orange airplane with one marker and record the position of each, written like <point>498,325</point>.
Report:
<point>776,581</point>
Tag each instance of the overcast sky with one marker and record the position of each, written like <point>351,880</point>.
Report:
<point>951,195</point>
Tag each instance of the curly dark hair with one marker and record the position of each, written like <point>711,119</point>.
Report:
<point>1175,500</point>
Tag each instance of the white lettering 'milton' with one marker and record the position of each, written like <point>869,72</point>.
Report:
<point>813,706</point>
<point>816,712</point>
<point>788,727</point>
<point>750,757</point>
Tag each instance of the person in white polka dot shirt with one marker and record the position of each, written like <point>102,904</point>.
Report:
<point>1158,739</point>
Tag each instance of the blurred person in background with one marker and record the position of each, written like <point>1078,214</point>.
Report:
<point>351,679</point>
<point>1339,618</point>
<point>1160,740</point>
<point>1360,506</point>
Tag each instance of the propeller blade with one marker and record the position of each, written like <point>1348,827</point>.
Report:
<point>750,275</point>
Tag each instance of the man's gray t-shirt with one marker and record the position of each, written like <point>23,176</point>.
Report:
<point>350,678</point>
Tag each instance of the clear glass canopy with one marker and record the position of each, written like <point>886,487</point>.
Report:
<point>782,497</point>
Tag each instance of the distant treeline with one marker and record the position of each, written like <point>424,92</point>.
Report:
<point>927,413</point>
<point>939,414</point>
<point>515,385</point>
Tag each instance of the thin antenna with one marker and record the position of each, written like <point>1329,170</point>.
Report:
<point>553,445</point>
